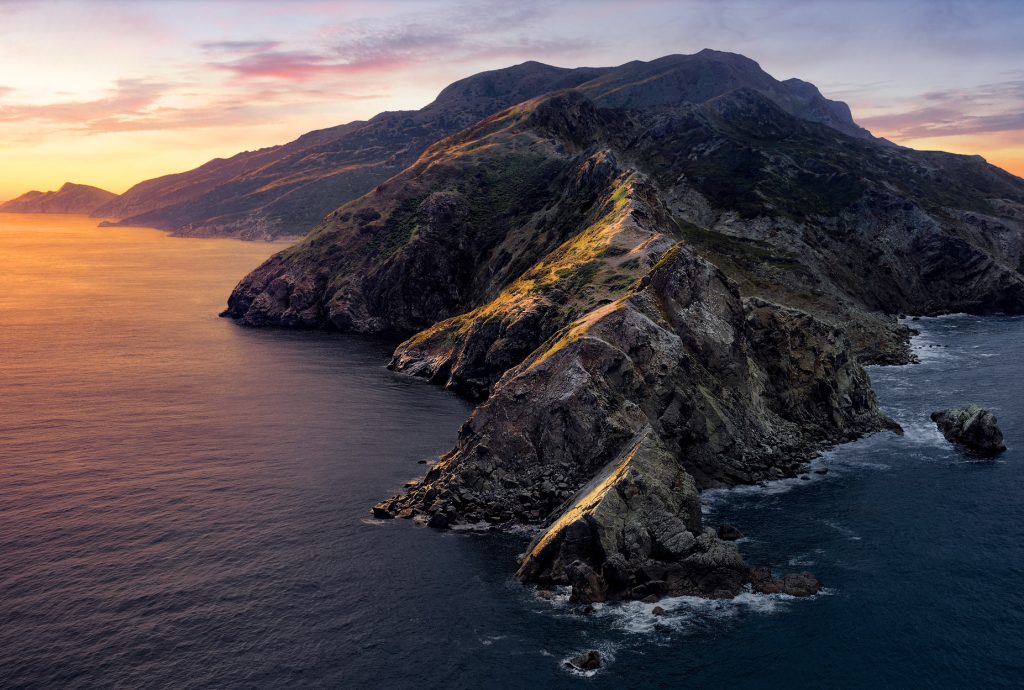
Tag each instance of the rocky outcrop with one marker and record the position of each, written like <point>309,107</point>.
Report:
<point>622,240</point>
<point>972,427</point>
<point>70,198</point>
<point>588,661</point>
<point>616,423</point>
<point>649,296</point>
<point>797,585</point>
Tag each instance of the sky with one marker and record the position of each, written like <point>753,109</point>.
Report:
<point>112,93</point>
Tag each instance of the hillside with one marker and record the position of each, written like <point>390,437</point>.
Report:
<point>652,290</point>
<point>286,190</point>
<point>70,198</point>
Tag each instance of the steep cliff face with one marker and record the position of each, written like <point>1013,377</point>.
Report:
<point>651,295</point>
<point>678,386</point>
<point>70,198</point>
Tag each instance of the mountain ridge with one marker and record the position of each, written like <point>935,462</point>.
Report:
<point>647,299</point>
<point>70,198</point>
<point>287,189</point>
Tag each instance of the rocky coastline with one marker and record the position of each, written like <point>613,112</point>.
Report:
<point>649,293</point>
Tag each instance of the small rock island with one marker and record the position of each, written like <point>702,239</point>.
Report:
<point>972,427</point>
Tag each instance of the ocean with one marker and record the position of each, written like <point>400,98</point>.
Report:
<point>184,503</point>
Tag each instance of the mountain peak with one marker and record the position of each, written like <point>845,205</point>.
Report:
<point>705,75</point>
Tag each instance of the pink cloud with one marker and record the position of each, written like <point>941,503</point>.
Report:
<point>301,66</point>
<point>130,96</point>
<point>985,109</point>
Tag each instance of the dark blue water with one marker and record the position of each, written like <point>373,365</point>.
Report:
<point>183,503</point>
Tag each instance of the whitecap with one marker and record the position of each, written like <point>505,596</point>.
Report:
<point>844,530</point>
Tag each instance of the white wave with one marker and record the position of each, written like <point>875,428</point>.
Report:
<point>922,431</point>
<point>843,530</point>
<point>710,498</point>
<point>804,560</point>
<point>686,614</point>
<point>481,526</point>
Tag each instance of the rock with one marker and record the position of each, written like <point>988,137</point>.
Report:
<point>805,478</point>
<point>421,462</point>
<point>438,520</point>
<point>545,594</point>
<point>651,599</point>
<point>973,427</point>
<point>382,511</point>
<point>821,470</point>
<point>798,585</point>
<point>587,585</point>
<point>658,611</point>
<point>588,661</point>
<point>729,533</point>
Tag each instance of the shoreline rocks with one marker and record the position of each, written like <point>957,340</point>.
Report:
<point>972,427</point>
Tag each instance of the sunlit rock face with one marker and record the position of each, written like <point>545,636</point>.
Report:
<point>615,423</point>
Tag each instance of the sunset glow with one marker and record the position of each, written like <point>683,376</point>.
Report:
<point>110,93</point>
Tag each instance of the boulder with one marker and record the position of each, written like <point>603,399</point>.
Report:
<point>382,511</point>
<point>438,520</point>
<point>729,533</point>
<point>972,427</point>
<point>588,661</point>
<point>797,585</point>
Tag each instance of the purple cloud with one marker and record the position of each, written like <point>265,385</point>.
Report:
<point>985,109</point>
<point>238,46</point>
<point>493,30</point>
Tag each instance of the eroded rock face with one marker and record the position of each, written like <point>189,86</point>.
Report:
<point>973,427</point>
<point>613,426</point>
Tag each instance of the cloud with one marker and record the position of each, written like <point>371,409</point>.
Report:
<point>136,105</point>
<point>129,96</point>
<point>297,65</point>
<point>463,33</point>
<point>984,109</point>
<point>238,46</point>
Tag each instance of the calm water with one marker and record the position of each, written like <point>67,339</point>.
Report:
<point>183,503</point>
